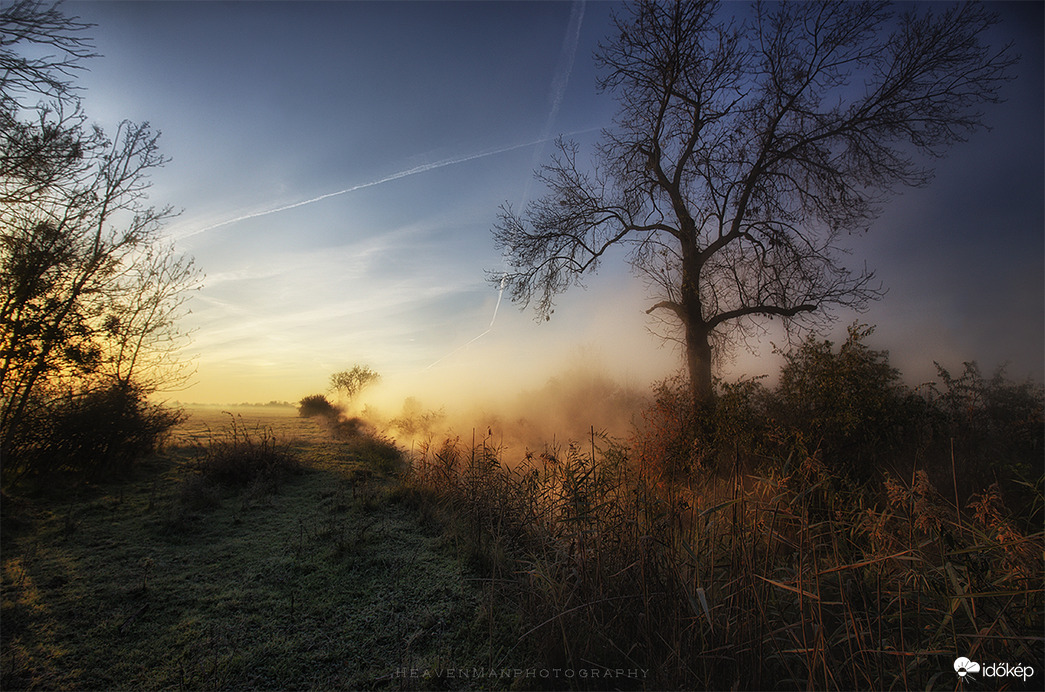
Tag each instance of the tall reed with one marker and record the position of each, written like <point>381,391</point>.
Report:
<point>782,578</point>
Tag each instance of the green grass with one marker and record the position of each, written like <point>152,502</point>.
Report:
<point>327,579</point>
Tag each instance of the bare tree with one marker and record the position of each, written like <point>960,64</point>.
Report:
<point>352,382</point>
<point>743,153</point>
<point>140,323</point>
<point>89,294</point>
<point>54,144</point>
<point>43,26</point>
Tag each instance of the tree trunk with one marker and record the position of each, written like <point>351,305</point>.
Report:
<point>698,361</point>
<point>691,312</point>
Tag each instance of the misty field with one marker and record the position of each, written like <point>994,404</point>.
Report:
<point>321,578</point>
<point>260,549</point>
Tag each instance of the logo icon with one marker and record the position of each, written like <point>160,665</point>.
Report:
<point>963,666</point>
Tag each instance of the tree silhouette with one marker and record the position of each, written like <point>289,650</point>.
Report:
<point>743,153</point>
<point>30,23</point>
<point>90,294</point>
<point>352,382</point>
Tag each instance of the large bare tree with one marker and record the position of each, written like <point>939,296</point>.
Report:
<point>747,146</point>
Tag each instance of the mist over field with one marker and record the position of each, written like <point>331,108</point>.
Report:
<point>566,407</point>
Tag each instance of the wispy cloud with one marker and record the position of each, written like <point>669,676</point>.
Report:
<point>423,168</point>
<point>564,68</point>
<point>318,302</point>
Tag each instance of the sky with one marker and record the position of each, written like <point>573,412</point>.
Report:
<point>339,167</point>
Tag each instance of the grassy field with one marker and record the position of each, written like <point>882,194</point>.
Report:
<point>327,579</point>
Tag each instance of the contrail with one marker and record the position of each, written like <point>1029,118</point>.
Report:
<point>500,294</point>
<point>461,347</point>
<point>471,341</point>
<point>558,91</point>
<point>565,68</point>
<point>423,168</point>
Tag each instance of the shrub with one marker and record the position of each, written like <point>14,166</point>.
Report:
<point>342,428</point>
<point>995,428</point>
<point>97,432</point>
<point>414,420</point>
<point>240,457</point>
<point>317,405</point>
<point>378,452</point>
<point>844,404</point>
<point>742,414</point>
<point>668,441</point>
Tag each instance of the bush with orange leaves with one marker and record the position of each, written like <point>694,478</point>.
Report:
<point>1020,556</point>
<point>669,440</point>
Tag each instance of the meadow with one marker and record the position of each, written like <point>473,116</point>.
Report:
<point>319,578</point>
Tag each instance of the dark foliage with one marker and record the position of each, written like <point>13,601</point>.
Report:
<point>669,434</point>
<point>96,433</point>
<point>317,405</point>
<point>848,405</point>
<point>848,408</point>
<point>994,430</point>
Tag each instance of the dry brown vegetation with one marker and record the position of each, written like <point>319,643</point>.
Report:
<point>772,581</point>
<point>750,550</point>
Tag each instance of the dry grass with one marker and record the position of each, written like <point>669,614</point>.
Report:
<point>593,564</point>
<point>203,423</point>
<point>241,455</point>
<point>741,581</point>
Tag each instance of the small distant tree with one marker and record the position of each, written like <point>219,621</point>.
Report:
<point>349,383</point>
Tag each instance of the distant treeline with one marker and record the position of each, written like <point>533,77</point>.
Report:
<point>245,404</point>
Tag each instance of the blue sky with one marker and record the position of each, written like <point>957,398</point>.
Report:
<point>340,164</point>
